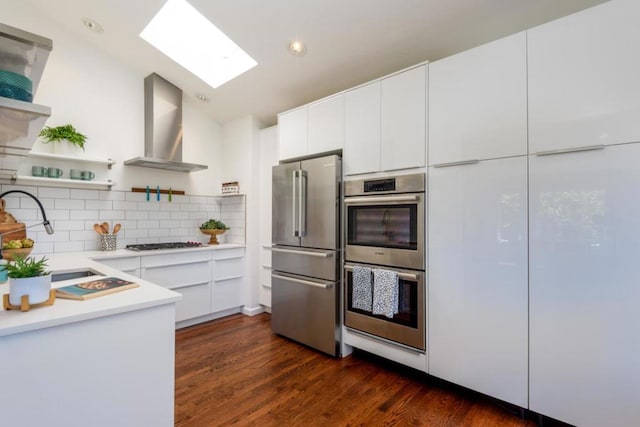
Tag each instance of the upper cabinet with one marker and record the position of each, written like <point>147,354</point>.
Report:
<point>312,129</point>
<point>385,124</point>
<point>583,79</point>
<point>24,54</point>
<point>478,103</point>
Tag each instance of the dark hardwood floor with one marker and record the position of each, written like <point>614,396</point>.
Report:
<point>235,371</point>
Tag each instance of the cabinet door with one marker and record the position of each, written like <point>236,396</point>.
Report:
<point>477,271</point>
<point>403,120</point>
<point>292,133</point>
<point>583,78</point>
<point>478,103</point>
<point>326,125</point>
<point>362,130</point>
<point>584,286</point>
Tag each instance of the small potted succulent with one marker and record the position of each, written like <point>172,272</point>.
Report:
<point>63,133</point>
<point>28,276</point>
<point>213,228</point>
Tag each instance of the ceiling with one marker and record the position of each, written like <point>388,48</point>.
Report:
<point>349,42</point>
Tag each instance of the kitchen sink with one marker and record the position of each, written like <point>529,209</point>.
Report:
<point>58,277</point>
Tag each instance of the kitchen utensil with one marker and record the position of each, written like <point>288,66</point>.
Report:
<point>158,193</point>
<point>116,228</point>
<point>105,227</point>
<point>98,228</point>
<point>170,194</point>
<point>148,193</point>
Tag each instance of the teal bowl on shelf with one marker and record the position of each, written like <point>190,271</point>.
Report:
<point>16,80</point>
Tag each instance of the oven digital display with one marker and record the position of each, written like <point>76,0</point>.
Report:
<point>377,185</point>
<point>392,226</point>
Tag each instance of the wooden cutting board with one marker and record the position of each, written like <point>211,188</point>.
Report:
<point>19,234</point>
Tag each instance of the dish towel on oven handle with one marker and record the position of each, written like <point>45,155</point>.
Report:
<point>385,292</point>
<point>361,295</point>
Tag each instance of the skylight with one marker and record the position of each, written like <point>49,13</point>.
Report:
<point>183,34</point>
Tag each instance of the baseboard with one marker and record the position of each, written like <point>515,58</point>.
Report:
<point>252,311</point>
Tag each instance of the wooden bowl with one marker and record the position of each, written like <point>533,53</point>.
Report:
<point>11,254</point>
<point>213,232</point>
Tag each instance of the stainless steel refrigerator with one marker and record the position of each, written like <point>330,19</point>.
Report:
<point>305,285</point>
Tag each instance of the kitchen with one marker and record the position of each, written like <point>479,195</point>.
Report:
<point>237,142</point>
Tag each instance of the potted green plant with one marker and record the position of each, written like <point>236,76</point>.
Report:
<point>63,133</point>
<point>213,228</point>
<point>28,276</point>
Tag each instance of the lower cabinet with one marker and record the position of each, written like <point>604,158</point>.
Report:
<point>477,277</point>
<point>187,273</point>
<point>129,264</point>
<point>227,272</point>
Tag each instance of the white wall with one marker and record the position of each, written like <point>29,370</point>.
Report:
<point>241,147</point>
<point>104,99</point>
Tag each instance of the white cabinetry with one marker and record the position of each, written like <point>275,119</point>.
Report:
<point>385,124</point>
<point>292,133</point>
<point>584,286</point>
<point>362,130</point>
<point>326,125</point>
<point>227,270</point>
<point>188,273</point>
<point>478,103</point>
<point>477,328</point>
<point>268,159</point>
<point>312,129</point>
<point>583,78</point>
<point>128,264</point>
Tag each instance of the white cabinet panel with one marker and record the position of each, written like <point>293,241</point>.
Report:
<point>583,78</point>
<point>228,269</point>
<point>403,119</point>
<point>129,265</point>
<point>195,302</point>
<point>292,133</point>
<point>362,130</point>
<point>477,274</point>
<point>226,294</point>
<point>326,125</point>
<point>478,103</point>
<point>585,286</point>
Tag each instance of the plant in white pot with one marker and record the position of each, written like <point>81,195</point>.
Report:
<point>28,277</point>
<point>59,134</point>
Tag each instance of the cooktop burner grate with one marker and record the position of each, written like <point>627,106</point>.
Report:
<point>170,245</point>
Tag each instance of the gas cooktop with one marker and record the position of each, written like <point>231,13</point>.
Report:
<point>170,245</point>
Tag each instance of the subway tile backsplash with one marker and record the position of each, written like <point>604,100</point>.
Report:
<point>74,211</point>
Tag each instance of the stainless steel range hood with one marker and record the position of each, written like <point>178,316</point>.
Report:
<point>162,128</point>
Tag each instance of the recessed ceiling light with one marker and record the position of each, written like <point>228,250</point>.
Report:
<point>93,25</point>
<point>297,48</point>
<point>183,34</point>
<point>202,98</point>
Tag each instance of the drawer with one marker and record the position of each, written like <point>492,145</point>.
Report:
<point>195,302</point>
<point>225,294</point>
<point>228,253</point>
<point>228,269</point>
<point>175,258</point>
<point>176,276</point>
<point>126,264</point>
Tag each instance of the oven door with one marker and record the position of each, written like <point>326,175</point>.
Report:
<point>407,327</point>
<point>386,230</point>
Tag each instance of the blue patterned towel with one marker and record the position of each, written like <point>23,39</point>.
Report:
<point>385,292</point>
<point>362,293</point>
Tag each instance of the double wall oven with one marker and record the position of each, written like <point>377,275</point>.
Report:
<point>385,230</point>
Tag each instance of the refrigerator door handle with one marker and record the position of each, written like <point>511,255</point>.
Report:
<point>294,217</point>
<point>307,253</point>
<point>303,282</point>
<point>302,200</point>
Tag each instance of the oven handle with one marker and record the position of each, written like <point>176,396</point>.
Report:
<point>405,276</point>
<point>381,199</point>
<point>293,251</point>
<point>303,282</point>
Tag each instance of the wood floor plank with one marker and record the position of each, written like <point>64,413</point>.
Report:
<point>235,372</point>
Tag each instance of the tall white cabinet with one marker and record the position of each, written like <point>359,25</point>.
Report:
<point>478,276</point>
<point>585,216</point>
<point>477,220</point>
<point>585,286</point>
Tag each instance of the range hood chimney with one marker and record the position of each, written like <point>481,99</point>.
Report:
<point>162,128</point>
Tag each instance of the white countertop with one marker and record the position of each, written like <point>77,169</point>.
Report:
<point>65,311</point>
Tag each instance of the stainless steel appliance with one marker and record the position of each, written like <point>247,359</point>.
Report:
<point>168,245</point>
<point>385,230</point>
<point>385,221</point>
<point>305,286</point>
